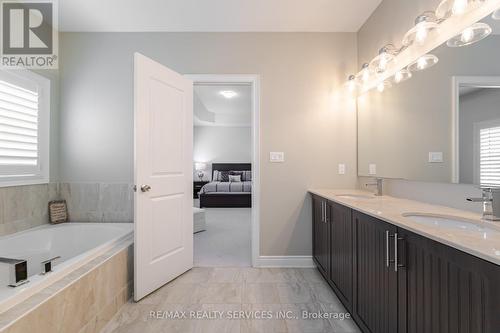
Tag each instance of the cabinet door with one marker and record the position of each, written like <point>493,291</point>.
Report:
<point>375,302</point>
<point>341,252</point>
<point>321,236</point>
<point>446,290</point>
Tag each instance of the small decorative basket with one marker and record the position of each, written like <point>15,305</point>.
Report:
<point>58,211</point>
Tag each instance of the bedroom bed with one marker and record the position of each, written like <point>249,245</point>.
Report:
<point>224,194</point>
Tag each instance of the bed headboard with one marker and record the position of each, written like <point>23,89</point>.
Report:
<point>231,166</point>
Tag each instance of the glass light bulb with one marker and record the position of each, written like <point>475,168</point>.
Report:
<point>422,63</point>
<point>467,35</point>
<point>351,86</point>
<point>421,35</point>
<point>459,7</point>
<point>383,63</point>
<point>381,87</point>
<point>398,77</point>
<point>366,75</point>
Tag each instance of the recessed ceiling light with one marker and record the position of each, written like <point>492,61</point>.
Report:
<point>228,93</point>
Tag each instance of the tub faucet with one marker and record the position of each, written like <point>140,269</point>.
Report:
<point>18,271</point>
<point>47,265</point>
<point>380,186</point>
<point>491,203</point>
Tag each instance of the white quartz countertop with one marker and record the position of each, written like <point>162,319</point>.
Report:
<point>390,209</point>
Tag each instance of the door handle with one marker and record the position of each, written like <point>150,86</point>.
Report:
<point>396,264</point>
<point>323,211</point>
<point>145,188</point>
<point>387,253</point>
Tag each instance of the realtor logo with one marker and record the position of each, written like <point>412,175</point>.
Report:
<point>29,34</point>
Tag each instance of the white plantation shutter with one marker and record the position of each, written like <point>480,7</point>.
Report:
<point>489,156</point>
<point>23,128</point>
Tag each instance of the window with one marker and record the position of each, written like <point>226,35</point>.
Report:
<point>489,160</point>
<point>24,128</point>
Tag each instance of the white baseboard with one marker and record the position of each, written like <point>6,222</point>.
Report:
<point>285,261</point>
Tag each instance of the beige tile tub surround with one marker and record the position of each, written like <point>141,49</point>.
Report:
<point>25,207</point>
<point>83,301</point>
<point>98,202</point>
<point>236,289</point>
<point>391,210</point>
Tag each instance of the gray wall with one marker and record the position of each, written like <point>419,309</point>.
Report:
<point>300,114</point>
<point>214,144</point>
<point>479,106</point>
<point>384,27</point>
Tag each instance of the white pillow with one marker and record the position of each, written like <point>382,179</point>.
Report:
<point>235,178</point>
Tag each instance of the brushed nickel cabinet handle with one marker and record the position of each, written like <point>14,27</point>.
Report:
<point>387,263</point>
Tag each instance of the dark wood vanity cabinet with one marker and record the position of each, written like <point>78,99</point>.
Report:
<point>445,290</point>
<point>393,280</point>
<point>376,282</point>
<point>332,246</point>
<point>341,252</point>
<point>321,235</point>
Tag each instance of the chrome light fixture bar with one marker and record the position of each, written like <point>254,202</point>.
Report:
<point>424,24</point>
<point>449,8</point>
<point>424,62</point>
<point>432,29</point>
<point>471,35</point>
<point>386,55</point>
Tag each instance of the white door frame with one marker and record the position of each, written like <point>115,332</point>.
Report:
<point>457,82</point>
<point>254,81</point>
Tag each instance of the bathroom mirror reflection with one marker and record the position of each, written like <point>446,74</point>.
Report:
<point>442,125</point>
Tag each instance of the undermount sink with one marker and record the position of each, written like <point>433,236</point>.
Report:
<point>355,196</point>
<point>448,222</point>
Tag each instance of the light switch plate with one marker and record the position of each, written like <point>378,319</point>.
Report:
<point>341,169</point>
<point>276,157</point>
<point>372,169</point>
<point>436,157</point>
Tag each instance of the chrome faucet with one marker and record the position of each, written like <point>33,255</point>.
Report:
<point>18,271</point>
<point>47,265</point>
<point>380,186</point>
<point>491,203</point>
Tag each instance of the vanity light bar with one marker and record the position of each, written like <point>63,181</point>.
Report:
<point>375,75</point>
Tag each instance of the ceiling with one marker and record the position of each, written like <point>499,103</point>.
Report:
<point>215,15</point>
<point>213,109</point>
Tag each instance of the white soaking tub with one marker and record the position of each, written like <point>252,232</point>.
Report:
<point>76,244</point>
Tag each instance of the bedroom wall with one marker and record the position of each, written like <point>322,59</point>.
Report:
<point>301,113</point>
<point>384,27</point>
<point>217,144</point>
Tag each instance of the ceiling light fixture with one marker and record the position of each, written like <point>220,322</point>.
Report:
<point>424,62</point>
<point>228,94</point>
<point>424,24</point>
<point>402,75</point>
<point>449,8</point>
<point>386,55</point>
<point>471,35</point>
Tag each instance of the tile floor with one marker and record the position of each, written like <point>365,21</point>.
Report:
<point>225,292</point>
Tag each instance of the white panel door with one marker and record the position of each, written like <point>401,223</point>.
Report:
<point>163,218</point>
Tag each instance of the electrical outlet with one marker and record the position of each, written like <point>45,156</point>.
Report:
<point>341,169</point>
<point>372,169</point>
<point>276,157</point>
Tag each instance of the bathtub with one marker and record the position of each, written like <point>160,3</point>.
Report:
<point>76,244</point>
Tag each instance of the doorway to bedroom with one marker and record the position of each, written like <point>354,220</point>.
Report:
<point>225,170</point>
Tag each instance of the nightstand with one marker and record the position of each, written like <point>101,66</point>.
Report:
<point>197,185</point>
